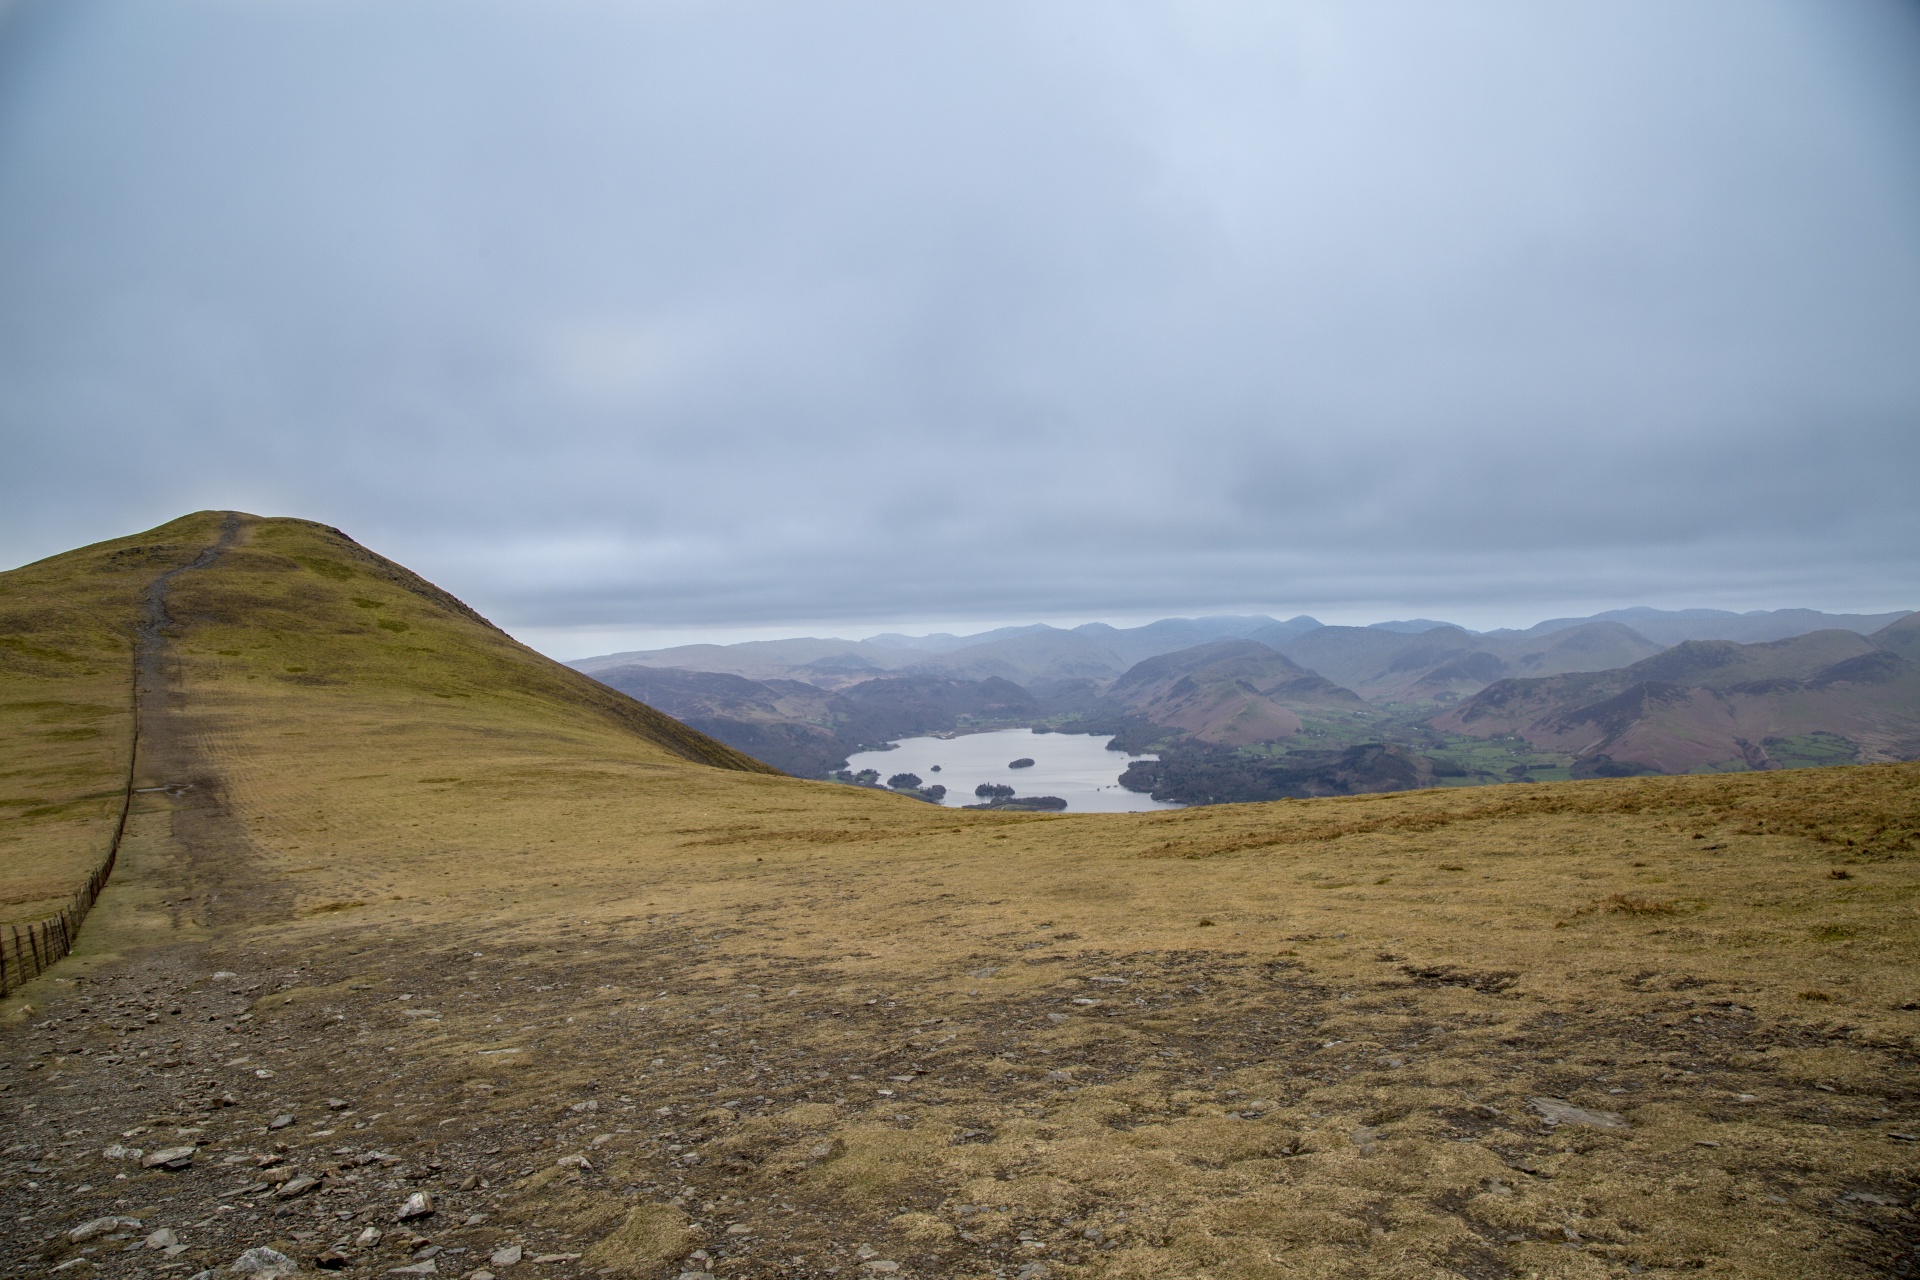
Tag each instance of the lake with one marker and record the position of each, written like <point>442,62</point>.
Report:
<point>1077,767</point>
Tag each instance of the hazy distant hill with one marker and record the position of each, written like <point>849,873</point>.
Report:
<point>1024,655</point>
<point>1671,626</point>
<point>1715,704</point>
<point>1444,662</point>
<point>1414,660</point>
<point>1232,692</point>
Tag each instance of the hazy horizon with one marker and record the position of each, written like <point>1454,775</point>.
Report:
<point>562,643</point>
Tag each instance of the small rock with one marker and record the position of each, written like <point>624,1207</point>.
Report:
<point>427,1268</point>
<point>168,1158</point>
<point>1033,1271</point>
<point>590,1104</point>
<point>479,1275</point>
<point>115,1151</point>
<point>367,1238</point>
<point>864,1251</point>
<point>739,1229</point>
<point>574,1162</point>
<point>338,1104</point>
<point>1560,1111</point>
<point>264,1264</point>
<point>506,1257</point>
<point>331,1260</point>
<point>418,1205</point>
<point>470,1183</point>
<point>162,1239</point>
<point>297,1186</point>
<point>100,1227</point>
<point>828,1150</point>
<point>280,1122</point>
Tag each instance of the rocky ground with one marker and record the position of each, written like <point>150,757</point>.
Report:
<point>649,1097</point>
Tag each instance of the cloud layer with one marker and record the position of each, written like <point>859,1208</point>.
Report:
<point>682,314</point>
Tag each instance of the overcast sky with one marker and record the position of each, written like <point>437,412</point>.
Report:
<point>634,322</point>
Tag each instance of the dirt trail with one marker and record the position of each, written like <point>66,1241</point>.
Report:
<point>218,879</point>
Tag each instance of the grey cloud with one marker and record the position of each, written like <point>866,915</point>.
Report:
<point>663,314</point>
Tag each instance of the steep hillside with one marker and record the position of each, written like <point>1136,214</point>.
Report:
<point>309,609</point>
<point>809,731</point>
<point>1902,637</point>
<point>786,723</point>
<point>1231,693</point>
<point>1714,704</point>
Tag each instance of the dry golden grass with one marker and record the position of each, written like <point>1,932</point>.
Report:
<point>1295,1039</point>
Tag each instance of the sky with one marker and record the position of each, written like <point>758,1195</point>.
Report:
<point>636,322</point>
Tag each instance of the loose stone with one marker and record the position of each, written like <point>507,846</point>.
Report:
<point>175,1158</point>
<point>264,1264</point>
<point>1560,1111</point>
<point>100,1227</point>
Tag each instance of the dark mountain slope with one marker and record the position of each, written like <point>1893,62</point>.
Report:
<point>1902,637</point>
<point>1233,692</point>
<point>810,731</point>
<point>1712,704</point>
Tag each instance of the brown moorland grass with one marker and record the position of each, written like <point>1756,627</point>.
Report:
<point>67,628</point>
<point>494,942</point>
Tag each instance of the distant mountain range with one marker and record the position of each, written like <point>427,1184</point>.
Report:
<point>1632,690</point>
<point>1707,703</point>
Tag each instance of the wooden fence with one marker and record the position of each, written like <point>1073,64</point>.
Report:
<point>29,950</point>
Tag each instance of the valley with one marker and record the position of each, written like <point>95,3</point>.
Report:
<point>1264,710</point>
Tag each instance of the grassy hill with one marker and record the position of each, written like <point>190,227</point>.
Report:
<point>610,995</point>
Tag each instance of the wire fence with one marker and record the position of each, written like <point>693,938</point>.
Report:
<point>29,950</point>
